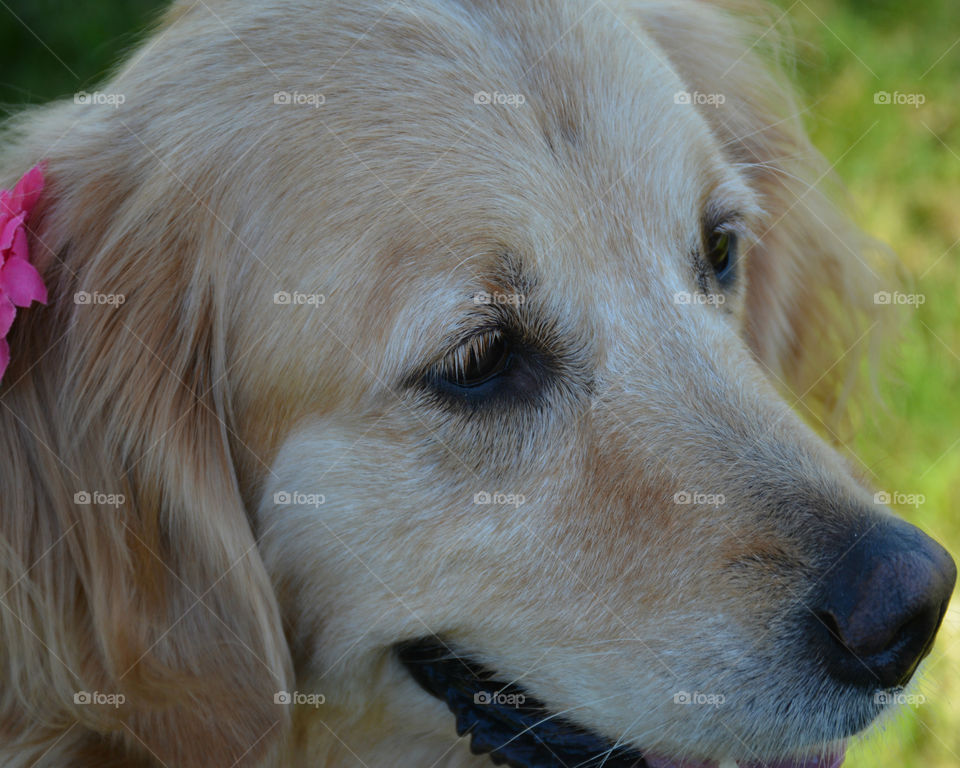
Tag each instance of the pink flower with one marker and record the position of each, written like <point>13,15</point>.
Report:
<point>20,283</point>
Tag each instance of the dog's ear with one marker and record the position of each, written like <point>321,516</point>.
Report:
<point>812,275</point>
<point>129,567</point>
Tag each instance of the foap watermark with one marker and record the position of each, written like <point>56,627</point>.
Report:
<point>896,696</point>
<point>695,97</point>
<point>296,298</point>
<point>99,99</point>
<point>505,499</point>
<point>86,498</point>
<point>896,297</point>
<point>499,698</point>
<point>484,297</point>
<point>699,698</point>
<point>85,698</point>
<point>289,698</point>
<point>495,97</point>
<point>298,99</point>
<point>86,298</point>
<point>901,499</point>
<point>695,497</point>
<point>909,99</point>
<point>685,297</point>
<point>286,498</point>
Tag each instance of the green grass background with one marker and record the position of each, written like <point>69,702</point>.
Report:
<point>902,167</point>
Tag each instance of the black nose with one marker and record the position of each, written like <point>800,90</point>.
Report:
<point>881,604</point>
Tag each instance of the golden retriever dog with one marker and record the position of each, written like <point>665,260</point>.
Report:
<point>426,383</point>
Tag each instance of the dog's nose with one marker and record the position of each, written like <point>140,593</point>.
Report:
<point>880,606</point>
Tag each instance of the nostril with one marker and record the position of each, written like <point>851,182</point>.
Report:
<point>914,638</point>
<point>881,646</point>
<point>919,626</point>
<point>921,631</point>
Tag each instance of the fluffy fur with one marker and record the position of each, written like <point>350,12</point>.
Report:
<point>199,398</point>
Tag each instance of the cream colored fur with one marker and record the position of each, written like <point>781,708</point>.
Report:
<point>200,398</point>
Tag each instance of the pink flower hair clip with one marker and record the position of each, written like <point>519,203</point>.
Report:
<point>20,283</point>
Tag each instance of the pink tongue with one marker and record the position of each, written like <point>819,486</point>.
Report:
<point>832,761</point>
<point>653,761</point>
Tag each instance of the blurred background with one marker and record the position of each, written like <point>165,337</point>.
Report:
<point>901,165</point>
<point>899,156</point>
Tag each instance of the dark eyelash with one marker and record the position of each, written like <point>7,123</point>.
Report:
<point>456,365</point>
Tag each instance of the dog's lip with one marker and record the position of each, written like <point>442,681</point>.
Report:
<point>523,733</point>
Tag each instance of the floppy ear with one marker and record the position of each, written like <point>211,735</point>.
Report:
<point>127,563</point>
<point>812,275</point>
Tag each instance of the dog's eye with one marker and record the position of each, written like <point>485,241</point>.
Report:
<point>478,360</point>
<point>722,253</point>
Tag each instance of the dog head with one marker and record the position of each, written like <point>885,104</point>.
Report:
<point>469,326</point>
